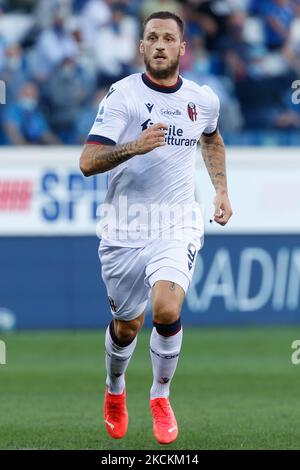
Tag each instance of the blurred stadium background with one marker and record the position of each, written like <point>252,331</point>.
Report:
<point>242,313</point>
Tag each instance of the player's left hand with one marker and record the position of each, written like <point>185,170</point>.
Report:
<point>223,210</point>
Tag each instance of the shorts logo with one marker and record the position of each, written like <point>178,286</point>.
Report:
<point>192,112</point>
<point>112,304</point>
<point>191,255</point>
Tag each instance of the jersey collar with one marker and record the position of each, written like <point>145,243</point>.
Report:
<point>162,88</point>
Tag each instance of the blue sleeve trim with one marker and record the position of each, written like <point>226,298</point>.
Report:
<point>99,139</point>
<point>210,133</point>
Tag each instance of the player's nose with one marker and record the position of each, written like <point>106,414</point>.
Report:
<point>159,51</point>
<point>160,47</point>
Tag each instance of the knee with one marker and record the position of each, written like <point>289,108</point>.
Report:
<point>128,330</point>
<point>165,313</point>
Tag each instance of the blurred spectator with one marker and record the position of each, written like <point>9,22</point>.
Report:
<point>115,46</point>
<point>53,45</point>
<point>159,5</point>
<point>23,121</point>
<point>95,14</point>
<point>87,115</point>
<point>248,51</point>
<point>262,102</point>
<point>210,16</point>
<point>46,10</point>
<point>78,5</point>
<point>292,48</point>
<point>14,71</point>
<point>278,16</point>
<point>24,5</point>
<point>63,95</point>
<point>2,52</point>
<point>236,49</point>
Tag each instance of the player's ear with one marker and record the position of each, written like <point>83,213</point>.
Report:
<point>182,48</point>
<point>142,46</point>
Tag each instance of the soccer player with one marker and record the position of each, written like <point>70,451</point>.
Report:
<point>145,136</point>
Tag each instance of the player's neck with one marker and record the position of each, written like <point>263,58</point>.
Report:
<point>167,82</point>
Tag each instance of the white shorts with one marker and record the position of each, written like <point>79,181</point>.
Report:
<point>130,273</point>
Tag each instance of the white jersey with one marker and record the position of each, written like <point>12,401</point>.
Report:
<point>163,178</point>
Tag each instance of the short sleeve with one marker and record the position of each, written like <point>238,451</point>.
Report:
<point>111,120</point>
<point>214,116</point>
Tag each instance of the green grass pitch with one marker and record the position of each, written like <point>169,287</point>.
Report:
<point>234,389</point>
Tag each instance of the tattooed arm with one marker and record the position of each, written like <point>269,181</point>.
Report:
<point>213,152</point>
<point>97,158</point>
<point>101,158</point>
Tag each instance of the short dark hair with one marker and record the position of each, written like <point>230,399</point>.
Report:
<point>165,15</point>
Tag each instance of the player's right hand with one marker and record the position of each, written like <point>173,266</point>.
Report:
<point>151,138</point>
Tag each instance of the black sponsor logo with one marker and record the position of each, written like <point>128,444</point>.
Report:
<point>149,106</point>
<point>146,124</point>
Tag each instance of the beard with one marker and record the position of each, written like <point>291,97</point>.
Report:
<point>167,72</point>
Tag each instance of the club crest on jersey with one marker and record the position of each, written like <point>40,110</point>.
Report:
<point>192,112</point>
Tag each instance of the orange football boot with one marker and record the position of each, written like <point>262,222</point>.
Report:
<point>165,427</point>
<point>115,414</point>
